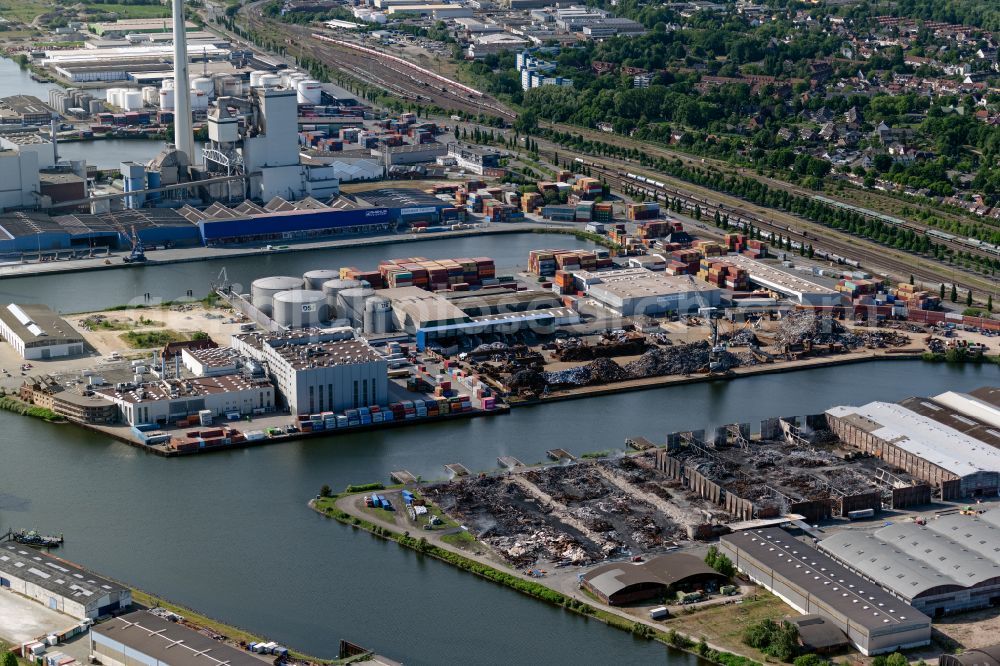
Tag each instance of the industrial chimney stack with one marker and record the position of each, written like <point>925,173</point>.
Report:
<point>183,131</point>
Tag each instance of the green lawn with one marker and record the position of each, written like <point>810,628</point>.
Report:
<point>23,12</point>
<point>132,11</point>
<point>461,539</point>
<point>149,339</point>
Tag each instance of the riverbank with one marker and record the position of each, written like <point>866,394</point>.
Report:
<point>198,254</point>
<point>334,508</point>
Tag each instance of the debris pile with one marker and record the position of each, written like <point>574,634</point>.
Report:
<point>880,339</point>
<point>800,327</point>
<point>676,360</point>
<point>744,338</point>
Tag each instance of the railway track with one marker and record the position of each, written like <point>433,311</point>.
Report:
<point>949,240</point>
<point>841,250</point>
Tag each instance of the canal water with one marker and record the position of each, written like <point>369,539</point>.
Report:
<point>230,535</point>
<point>79,292</point>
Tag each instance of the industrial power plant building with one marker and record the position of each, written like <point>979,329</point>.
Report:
<point>810,581</point>
<point>320,370</point>
<point>952,441</point>
<point>59,585</point>
<point>950,564</point>
<point>36,332</point>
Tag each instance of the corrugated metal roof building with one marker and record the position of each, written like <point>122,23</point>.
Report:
<point>950,564</point>
<point>812,582</point>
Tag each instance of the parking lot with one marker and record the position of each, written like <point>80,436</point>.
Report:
<point>22,619</point>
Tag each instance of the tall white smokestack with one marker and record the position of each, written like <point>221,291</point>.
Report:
<point>183,132</point>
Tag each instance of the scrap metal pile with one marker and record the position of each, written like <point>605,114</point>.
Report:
<point>744,338</point>
<point>677,360</point>
<point>822,329</point>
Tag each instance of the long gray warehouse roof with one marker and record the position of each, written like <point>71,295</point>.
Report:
<point>55,575</point>
<point>952,551</point>
<point>171,643</point>
<point>864,602</point>
<point>38,323</point>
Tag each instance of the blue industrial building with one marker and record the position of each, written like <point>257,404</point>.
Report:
<point>276,221</point>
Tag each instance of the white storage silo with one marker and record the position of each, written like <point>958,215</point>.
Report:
<point>167,99</point>
<point>199,100</point>
<point>377,315</point>
<point>204,84</point>
<point>270,81</point>
<point>150,96</point>
<point>255,78</point>
<point>309,91</point>
<point>286,76</point>
<point>351,304</point>
<point>96,106</point>
<point>317,278</point>
<point>301,308</point>
<point>110,95</point>
<point>168,84</point>
<point>262,291</point>
<point>132,100</point>
<point>332,289</point>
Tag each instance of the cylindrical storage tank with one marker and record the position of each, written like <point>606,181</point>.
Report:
<point>332,289</point>
<point>270,81</point>
<point>110,95</point>
<point>309,91</point>
<point>301,308</point>
<point>199,100</point>
<point>168,84</point>
<point>167,99</point>
<point>132,100</point>
<point>286,76</point>
<point>351,304</point>
<point>227,86</point>
<point>317,278</point>
<point>378,315</point>
<point>255,78</point>
<point>150,95</point>
<point>204,84</point>
<point>96,106</point>
<point>262,291</point>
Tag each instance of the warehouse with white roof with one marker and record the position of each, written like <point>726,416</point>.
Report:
<point>38,333</point>
<point>953,451</point>
<point>950,564</point>
<point>799,289</point>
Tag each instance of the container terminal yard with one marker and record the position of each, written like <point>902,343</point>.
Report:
<point>790,503</point>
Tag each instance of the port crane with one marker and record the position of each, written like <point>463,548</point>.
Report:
<point>712,315</point>
<point>138,254</point>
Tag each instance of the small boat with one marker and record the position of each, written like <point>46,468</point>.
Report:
<point>36,540</point>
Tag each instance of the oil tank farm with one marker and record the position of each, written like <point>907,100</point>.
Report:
<point>332,289</point>
<point>315,279</point>
<point>299,308</point>
<point>263,290</point>
<point>351,303</point>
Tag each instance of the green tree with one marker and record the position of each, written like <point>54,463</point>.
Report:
<point>896,659</point>
<point>200,335</point>
<point>954,293</point>
<point>911,278</point>
<point>9,659</point>
<point>968,297</point>
<point>941,292</point>
<point>810,251</point>
<point>989,303</point>
<point>326,491</point>
<point>809,660</point>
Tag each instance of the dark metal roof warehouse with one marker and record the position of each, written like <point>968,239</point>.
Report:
<point>625,582</point>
